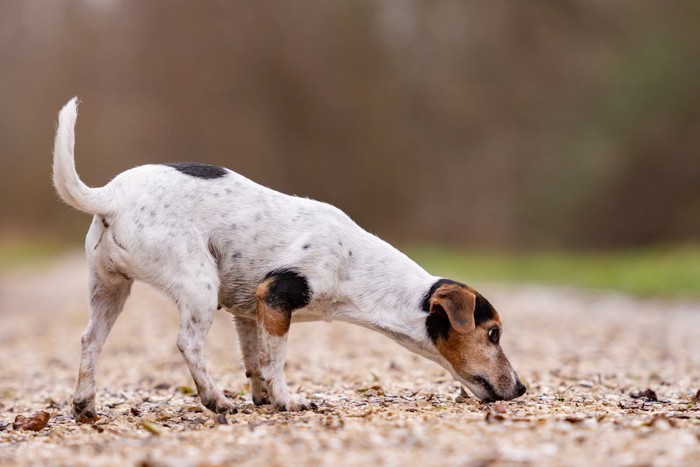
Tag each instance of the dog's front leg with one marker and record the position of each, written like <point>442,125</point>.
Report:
<point>273,327</point>
<point>250,348</point>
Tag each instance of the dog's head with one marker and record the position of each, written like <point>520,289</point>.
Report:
<point>466,331</point>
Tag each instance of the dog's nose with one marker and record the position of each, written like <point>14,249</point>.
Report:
<point>520,387</point>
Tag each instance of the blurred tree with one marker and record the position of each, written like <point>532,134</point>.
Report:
<point>499,124</point>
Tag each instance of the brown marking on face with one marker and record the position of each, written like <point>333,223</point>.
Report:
<point>464,350</point>
<point>474,357</point>
<point>275,321</point>
<point>458,303</point>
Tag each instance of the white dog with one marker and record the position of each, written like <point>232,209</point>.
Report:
<point>210,238</point>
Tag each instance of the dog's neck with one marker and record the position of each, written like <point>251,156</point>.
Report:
<point>388,299</point>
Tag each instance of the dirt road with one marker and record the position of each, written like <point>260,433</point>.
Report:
<point>581,355</point>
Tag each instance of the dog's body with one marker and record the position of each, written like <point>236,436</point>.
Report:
<point>210,238</point>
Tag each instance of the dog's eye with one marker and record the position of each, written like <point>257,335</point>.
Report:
<point>494,335</point>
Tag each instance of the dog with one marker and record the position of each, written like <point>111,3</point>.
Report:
<point>210,238</point>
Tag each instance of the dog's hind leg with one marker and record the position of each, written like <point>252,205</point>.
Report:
<point>196,297</point>
<point>108,292</point>
<point>250,348</point>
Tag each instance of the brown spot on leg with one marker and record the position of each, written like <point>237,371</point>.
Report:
<point>275,321</point>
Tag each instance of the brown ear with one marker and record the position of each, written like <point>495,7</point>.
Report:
<point>458,304</point>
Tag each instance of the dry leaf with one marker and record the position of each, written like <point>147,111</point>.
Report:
<point>186,390</point>
<point>97,428</point>
<point>660,417</point>
<point>233,395</point>
<point>492,417</point>
<point>36,422</point>
<point>221,419</point>
<point>135,412</point>
<point>647,394</point>
<point>152,427</point>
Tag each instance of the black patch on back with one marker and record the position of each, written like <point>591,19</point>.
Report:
<point>288,290</point>
<point>199,170</point>
<point>438,325</point>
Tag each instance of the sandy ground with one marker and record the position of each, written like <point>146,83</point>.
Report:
<point>581,355</point>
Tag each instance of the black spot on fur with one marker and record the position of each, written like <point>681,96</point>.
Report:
<point>199,170</point>
<point>288,290</point>
<point>438,325</point>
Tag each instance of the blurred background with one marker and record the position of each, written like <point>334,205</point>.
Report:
<point>515,137</point>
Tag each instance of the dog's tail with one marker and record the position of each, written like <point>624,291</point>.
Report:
<point>70,188</point>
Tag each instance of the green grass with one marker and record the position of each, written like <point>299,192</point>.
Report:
<point>663,272</point>
<point>16,252</point>
<point>660,272</point>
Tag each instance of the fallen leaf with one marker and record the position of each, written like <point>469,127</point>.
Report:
<point>233,395</point>
<point>498,407</point>
<point>647,394</point>
<point>573,419</point>
<point>660,417</point>
<point>152,427</point>
<point>135,412</point>
<point>492,417</point>
<point>97,428</point>
<point>36,422</point>
<point>221,419</point>
<point>186,390</point>
<point>376,387</point>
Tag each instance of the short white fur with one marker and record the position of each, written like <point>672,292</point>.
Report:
<point>209,243</point>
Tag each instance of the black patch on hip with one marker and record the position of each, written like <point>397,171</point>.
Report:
<point>438,326</point>
<point>288,290</point>
<point>199,170</point>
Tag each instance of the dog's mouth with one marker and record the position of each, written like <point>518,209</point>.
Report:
<point>488,392</point>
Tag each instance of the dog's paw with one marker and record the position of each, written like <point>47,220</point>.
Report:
<point>260,394</point>
<point>222,406</point>
<point>84,411</point>
<point>259,400</point>
<point>294,403</point>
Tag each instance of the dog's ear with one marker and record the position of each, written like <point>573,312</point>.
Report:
<point>457,303</point>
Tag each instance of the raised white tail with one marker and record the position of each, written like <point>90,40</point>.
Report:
<point>70,188</point>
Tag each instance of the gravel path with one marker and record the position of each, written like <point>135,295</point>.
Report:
<point>581,355</point>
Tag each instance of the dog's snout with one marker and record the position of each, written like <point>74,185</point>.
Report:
<point>520,387</point>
